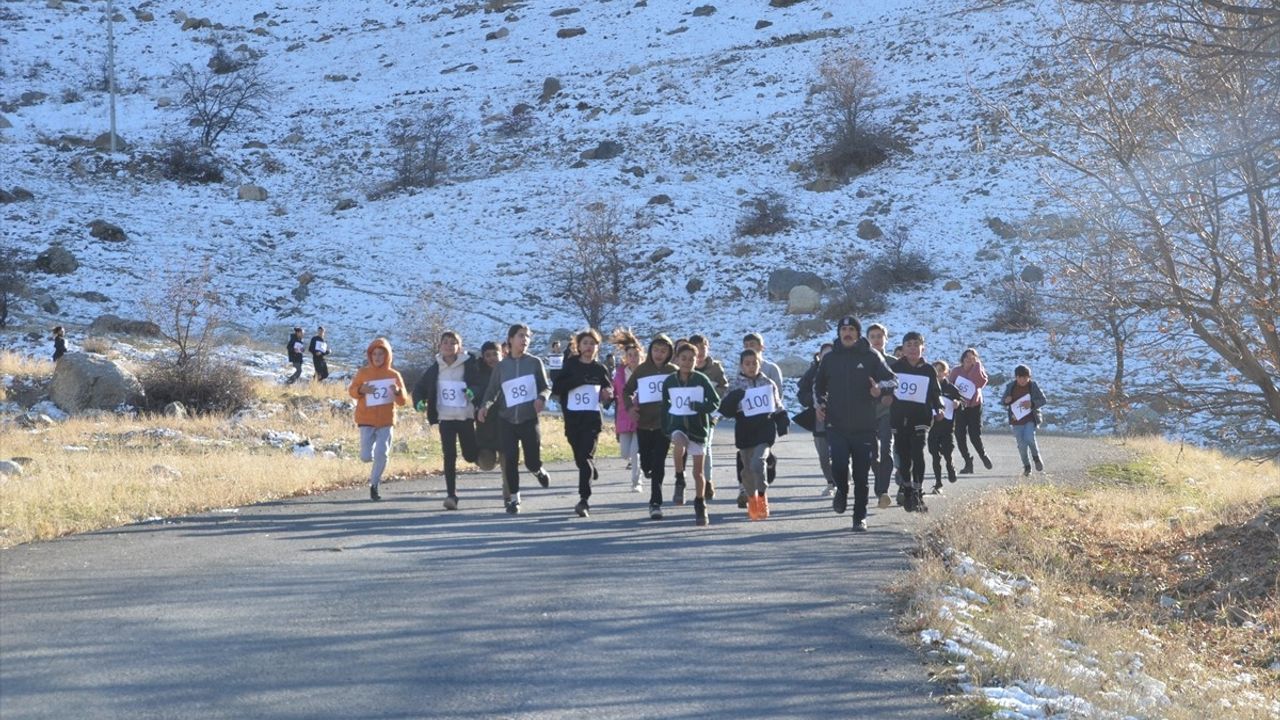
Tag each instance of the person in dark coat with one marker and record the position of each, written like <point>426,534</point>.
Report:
<point>319,348</point>
<point>293,346</point>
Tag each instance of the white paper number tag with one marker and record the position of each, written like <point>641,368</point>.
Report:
<point>520,390</point>
<point>684,398</point>
<point>383,391</point>
<point>453,394</point>
<point>912,388</point>
<point>555,362</point>
<point>966,387</point>
<point>649,389</point>
<point>322,347</point>
<point>758,401</point>
<point>297,347</point>
<point>948,408</point>
<point>584,398</point>
<point>1021,407</point>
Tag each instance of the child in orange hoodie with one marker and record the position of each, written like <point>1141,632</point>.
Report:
<point>376,387</point>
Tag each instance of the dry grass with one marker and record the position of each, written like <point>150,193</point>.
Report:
<point>1169,563</point>
<point>12,363</point>
<point>92,474</point>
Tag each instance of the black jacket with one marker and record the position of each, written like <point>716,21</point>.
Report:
<point>576,373</point>
<point>749,431</point>
<point>426,387</point>
<point>59,348</point>
<point>312,347</point>
<point>906,414</point>
<point>295,356</point>
<point>947,390</point>
<point>487,437</point>
<point>843,384</point>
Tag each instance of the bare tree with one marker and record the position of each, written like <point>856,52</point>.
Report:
<point>217,102</point>
<point>850,90</point>
<point>188,310</point>
<point>12,282</point>
<point>591,272</point>
<point>423,146</point>
<point>1167,133</point>
<point>429,315</point>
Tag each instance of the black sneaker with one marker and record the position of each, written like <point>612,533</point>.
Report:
<point>911,498</point>
<point>373,493</point>
<point>902,497</point>
<point>951,474</point>
<point>543,478</point>
<point>1026,470</point>
<point>595,473</point>
<point>700,512</point>
<point>655,512</point>
<point>742,499</point>
<point>860,525</point>
<point>986,461</point>
<point>677,495</point>
<point>451,503</point>
<point>513,507</point>
<point>937,489</point>
<point>840,501</point>
<point>582,509</point>
<point>1039,465</point>
<point>968,467</point>
<point>710,492</point>
<point>920,506</point>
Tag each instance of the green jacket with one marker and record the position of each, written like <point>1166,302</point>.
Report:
<point>698,425</point>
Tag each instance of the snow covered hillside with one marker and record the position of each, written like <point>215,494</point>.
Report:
<point>710,107</point>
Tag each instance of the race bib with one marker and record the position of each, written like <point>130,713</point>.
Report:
<point>520,390</point>
<point>584,398</point>
<point>1021,408</point>
<point>684,398</point>
<point>912,388</point>
<point>966,387</point>
<point>297,347</point>
<point>555,362</point>
<point>383,392</point>
<point>453,394</point>
<point>758,401</point>
<point>322,347</point>
<point>948,408</point>
<point>649,389</point>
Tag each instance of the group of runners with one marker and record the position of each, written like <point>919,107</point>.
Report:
<point>873,414</point>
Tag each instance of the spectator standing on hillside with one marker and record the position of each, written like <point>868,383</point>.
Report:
<point>293,346</point>
<point>59,342</point>
<point>319,349</point>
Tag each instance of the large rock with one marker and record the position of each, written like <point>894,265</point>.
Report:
<point>91,382</point>
<point>103,142</point>
<point>57,260</point>
<point>782,280</point>
<point>9,467</point>
<point>114,324</point>
<point>868,230</point>
<point>107,232</point>
<point>803,300</point>
<point>606,150</point>
<point>1032,274</point>
<point>550,88</point>
<point>792,366</point>
<point>564,33</point>
<point>252,192</point>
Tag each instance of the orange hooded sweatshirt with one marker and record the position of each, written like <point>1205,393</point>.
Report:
<point>378,409</point>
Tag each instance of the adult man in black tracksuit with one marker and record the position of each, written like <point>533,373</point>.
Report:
<point>848,386</point>
<point>319,348</point>
<point>294,347</point>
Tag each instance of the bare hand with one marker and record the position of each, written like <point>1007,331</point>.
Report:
<point>939,417</point>
<point>368,389</point>
<point>820,412</point>
<point>887,400</point>
<point>606,394</point>
<point>875,387</point>
<point>481,414</point>
<point>539,405</point>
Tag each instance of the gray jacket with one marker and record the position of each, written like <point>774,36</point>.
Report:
<point>509,369</point>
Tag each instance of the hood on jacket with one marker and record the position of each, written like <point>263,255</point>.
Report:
<point>462,359</point>
<point>378,343</point>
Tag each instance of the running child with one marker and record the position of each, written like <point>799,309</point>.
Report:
<point>377,389</point>
<point>624,424</point>
<point>969,378</point>
<point>916,404</point>
<point>688,399</point>
<point>752,401</point>
<point>583,386</point>
<point>520,390</point>
<point>447,392</point>
<point>714,371</point>
<point>941,433</point>
<point>642,397</point>
<point>1023,400</point>
<point>819,433</point>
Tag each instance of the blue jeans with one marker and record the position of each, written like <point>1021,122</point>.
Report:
<point>860,448</point>
<point>1025,434</point>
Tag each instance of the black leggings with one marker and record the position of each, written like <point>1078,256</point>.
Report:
<point>969,421</point>
<point>452,434</point>
<point>583,441</point>
<point>321,365</point>
<point>514,437</point>
<point>654,445</point>
<point>940,447</point>
<point>909,443</point>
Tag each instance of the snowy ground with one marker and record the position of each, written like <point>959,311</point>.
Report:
<point>710,108</point>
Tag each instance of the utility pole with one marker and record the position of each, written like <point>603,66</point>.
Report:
<point>111,67</point>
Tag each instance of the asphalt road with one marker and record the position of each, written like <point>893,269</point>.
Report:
<point>336,607</point>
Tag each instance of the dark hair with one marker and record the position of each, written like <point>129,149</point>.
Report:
<point>319,328</point>
<point>878,326</point>
<point>753,336</point>
<point>686,346</point>
<point>511,331</point>
<point>447,334</point>
<point>818,355</point>
<point>966,352</point>
<point>59,330</point>
<point>697,339</point>
<point>913,335</point>
<point>751,352</point>
<point>588,333</point>
<point>1022,371</point>
<point>489,345</point>
<point>945,367</point>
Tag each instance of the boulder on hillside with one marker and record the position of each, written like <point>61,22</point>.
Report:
<point>792,366</point>
<point>105,324</point>
<point>251,192</point>
<point>1032,274</point>
<point>868,230</point>
<point>103,142</point>
<point>550,88</point>
<point>782,280</point>
<point>803,300</point>
<point>564,33</point>
<point>57,260</point>
<point>107,232</point>
<point>606,150</point>
<point>91,382</point>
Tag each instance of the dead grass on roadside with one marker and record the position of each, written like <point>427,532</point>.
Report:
<point>1167,565</point>
<point>88,474</point>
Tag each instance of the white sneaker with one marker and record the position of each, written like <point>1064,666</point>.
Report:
<point>829,491</point>
<point>637,487</point>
